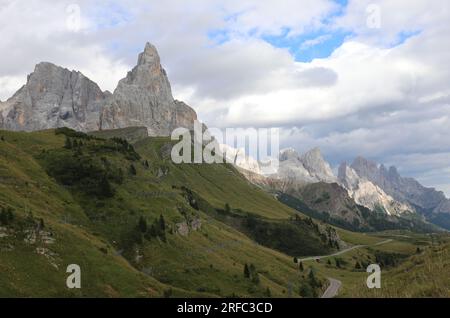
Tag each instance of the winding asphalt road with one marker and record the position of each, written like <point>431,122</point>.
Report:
<point>335,284</point>
<point>333,289</point>
<point>313,258</point>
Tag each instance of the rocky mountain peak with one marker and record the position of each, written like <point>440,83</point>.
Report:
<point>393,173</point>
<point>365,168</point>
<point>347,176</point>
<point>314,162</point>
<point>288,153</point>
<point>54,97</point>
<point>149,56</point>
<point>314,152</point>
<point>144,98</point>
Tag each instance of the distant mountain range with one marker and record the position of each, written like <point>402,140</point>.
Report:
<point>364,182</point>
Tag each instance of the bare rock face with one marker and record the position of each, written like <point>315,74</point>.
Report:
<point>405,190</point>
<point>317,166</point>
<point>368,194</point>
<point>56,97</point>
<point>304,169</point>
<point>144,98</point>
<point>53,97</point>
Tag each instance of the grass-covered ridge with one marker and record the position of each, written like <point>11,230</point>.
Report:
<point>120,212</point>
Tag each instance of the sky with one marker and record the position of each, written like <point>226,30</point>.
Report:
<point>361,77</point>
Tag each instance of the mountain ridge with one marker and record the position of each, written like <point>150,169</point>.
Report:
<point>54,97</point>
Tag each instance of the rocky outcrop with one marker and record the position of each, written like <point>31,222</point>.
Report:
<point>56,97</point>
<point>405,190</point>
<point>238,158</point>
<point>144,98</point>
<point>332,199</point>
<point>317,167</point>
<point>304,169</point>
<point>367,194</point>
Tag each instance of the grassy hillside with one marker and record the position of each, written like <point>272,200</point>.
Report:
<point>141,226</point>
<point>122,213</point>
<point>412,265</point>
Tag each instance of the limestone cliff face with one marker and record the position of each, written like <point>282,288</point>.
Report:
<point>405,190</point>
<point>53,97</point>
<point>144,98</point>
<point>56,97</point>
<point>368,194</point>
<point>304,169</point>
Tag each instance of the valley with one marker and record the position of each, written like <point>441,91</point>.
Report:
<point>140,226</point>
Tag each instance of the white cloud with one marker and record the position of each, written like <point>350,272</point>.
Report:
<point>313,42</point>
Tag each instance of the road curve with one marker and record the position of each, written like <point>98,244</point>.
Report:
<point>312,258</point>
<point>333,289</point>
<point>335,284</point>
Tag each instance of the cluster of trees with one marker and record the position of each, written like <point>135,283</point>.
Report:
<point>285,235</point>
<point>85,173</point>
<point>386,259</point>
<point>310,286</point>
<point>73,144</point>
<point>123,146</point>
<point>6,216</point>
<point>251,273</point>
<point>156,229</point>
<point>73,133</point>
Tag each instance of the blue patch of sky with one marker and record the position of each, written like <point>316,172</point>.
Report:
<point>109,15</point>
<point>305,47</point>
<point>309,46</point>
<point>219,36</point>
<point>403,36</point>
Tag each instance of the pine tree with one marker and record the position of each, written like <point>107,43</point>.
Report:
<point>255,278</point>
<point>41,223</point>
<point>246,271</point>
<point>68,143</point>
<point>105,188</point>
<point>313,281</point>
<point>4,217</point>
<point>338,263</point>
<point>357,265</point>
<point>227,208</point>
<point>301,267</point>
<point>142,224</point>
<point>295,260</point>
<point>306,291</point>
<point>133,170</point>
<point>162,223</point>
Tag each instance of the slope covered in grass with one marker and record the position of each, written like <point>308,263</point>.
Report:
<point>123,213</point>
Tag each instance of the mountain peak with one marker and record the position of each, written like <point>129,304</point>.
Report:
<point>314,153</point>
<point>55,97</point>
<point>144,98</point>
<point>393,172</point>
<point>288,153</point>
<point>149,56</point>
<point>314,162</point>
<point>365,168</point>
